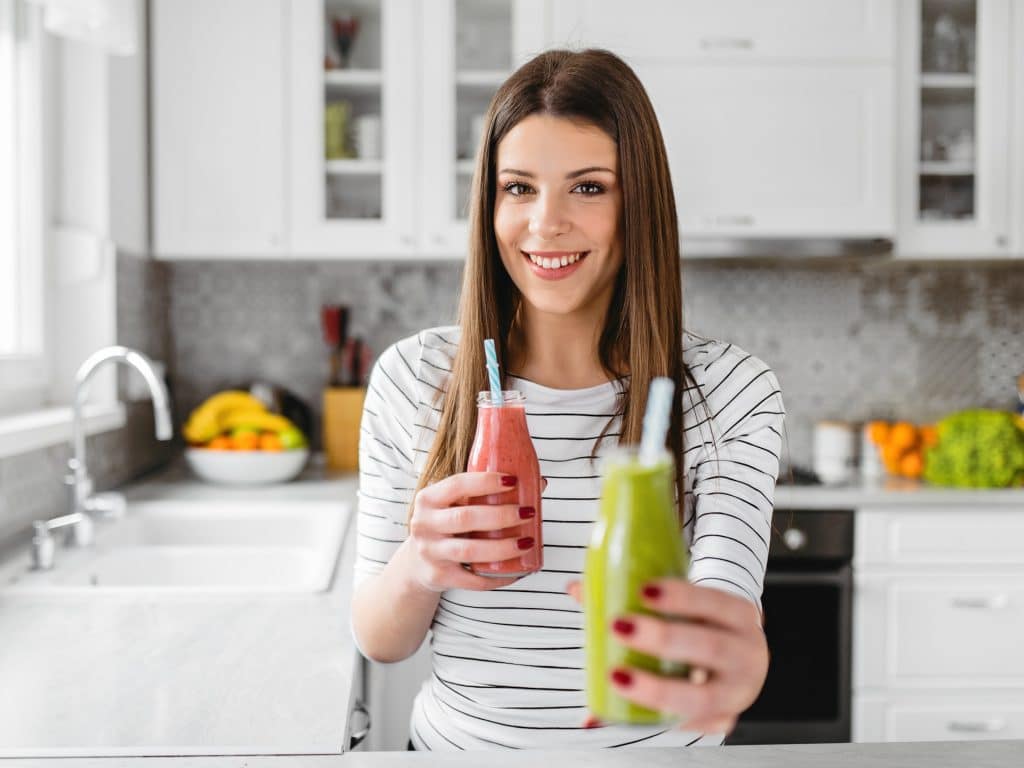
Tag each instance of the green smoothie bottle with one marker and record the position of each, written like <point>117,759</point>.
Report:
<point>636,539</point>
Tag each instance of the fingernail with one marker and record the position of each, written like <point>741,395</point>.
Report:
<point>622,677</point>
<point>525,543</point>
<point>623,626</point>
<point>591,722</point>
<point>652,591</point>
<point>527,512</point>
<point>509,480</point>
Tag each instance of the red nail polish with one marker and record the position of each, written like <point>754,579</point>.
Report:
<point>525,543</point>
<point>652,591</point>
<point>509,480</point>
<point>527,512</point>
<point>623,626</point>
<point>622,677</point>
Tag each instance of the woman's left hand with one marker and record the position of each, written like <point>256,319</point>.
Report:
<point>718,634</point>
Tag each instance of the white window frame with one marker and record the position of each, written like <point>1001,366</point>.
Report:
<point>24,373</point>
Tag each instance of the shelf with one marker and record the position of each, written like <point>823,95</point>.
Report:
<point>946,80</point>
<point>946,169</point>
<point>353,78</point>
<point>481,78</point>
<point>353,167</point>
<point>465,167</point>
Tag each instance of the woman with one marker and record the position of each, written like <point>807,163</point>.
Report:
<point>573,269</point>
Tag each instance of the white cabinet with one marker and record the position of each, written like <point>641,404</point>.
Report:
<point>218,128</point>
<point>782,151</point>
<point>778,121</point>
<point>938,614</point>
<point>955,129</point>
<point>1017,138</point>
<point>470,48</point>
<point>739,30</point>
<point>353,195</point>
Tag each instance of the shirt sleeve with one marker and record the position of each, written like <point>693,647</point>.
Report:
<point>387,478</point>
<point>734,474</point>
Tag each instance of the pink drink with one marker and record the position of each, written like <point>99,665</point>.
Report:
<point>502,444</point>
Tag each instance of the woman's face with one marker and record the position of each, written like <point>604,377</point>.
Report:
<point>556,213</point>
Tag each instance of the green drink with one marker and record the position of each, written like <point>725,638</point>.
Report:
<point>637,539</point>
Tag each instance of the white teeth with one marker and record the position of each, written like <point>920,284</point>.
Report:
<point>556,262</point>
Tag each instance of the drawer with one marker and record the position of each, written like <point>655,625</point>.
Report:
<point>937,629</point>
<point>944,536</point>
<point>944,716</point>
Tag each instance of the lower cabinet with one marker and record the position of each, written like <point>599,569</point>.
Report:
<point>938,621</point>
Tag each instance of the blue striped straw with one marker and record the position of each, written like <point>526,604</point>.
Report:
<point>492,372</point>
<point>656,418</point>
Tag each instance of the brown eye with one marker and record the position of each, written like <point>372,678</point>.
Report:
<point>516,188</point>
<point>589,188</point>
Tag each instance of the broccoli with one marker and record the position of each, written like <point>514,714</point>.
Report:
<point>977,449</point>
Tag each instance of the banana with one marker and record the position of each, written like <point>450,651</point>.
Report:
<point>256,419</point>
<point>204,423</point>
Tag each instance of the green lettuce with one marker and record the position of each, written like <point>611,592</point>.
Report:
<point>977,449</point>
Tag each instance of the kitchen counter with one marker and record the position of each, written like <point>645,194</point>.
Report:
<point>978,754</point>
<point>893,492</point>
<point>182,674</point>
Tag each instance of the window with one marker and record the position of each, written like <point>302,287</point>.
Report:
<point>23,363</point>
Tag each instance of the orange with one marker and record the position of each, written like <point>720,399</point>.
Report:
<point>878,431</point>
<point>891,456</point>
<point>929,435</point>
<point>912,465</point>
<point>220,443</point>
<point>903,435</point>
<point>246,441</point>
<point>269,441</point>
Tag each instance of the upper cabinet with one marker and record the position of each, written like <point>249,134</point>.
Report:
<point>777,121</point>
<point>955,128</point>
<point>218,127</point>
<point>474,45</point>
<point>731,30</point>
<point>352,145</point>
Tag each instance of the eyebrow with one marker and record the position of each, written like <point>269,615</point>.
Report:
<point>571,175</point>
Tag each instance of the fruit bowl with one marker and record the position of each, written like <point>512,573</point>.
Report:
<point>246,467</point>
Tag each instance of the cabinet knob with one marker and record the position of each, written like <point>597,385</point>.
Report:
<point>727,44</point>
<point>407,240</point>
<point>992,603</point>
<point>1001,241</point>
<point>794,538</point>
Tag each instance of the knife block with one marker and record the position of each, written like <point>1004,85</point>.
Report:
<point>342,412</point>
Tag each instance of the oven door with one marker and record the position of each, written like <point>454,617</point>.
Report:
<point>806,697</point>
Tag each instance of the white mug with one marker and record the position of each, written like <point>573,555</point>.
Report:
<point>834,451</point>
<point>366,132</point>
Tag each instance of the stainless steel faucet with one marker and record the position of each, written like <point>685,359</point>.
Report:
<point>84,503</point>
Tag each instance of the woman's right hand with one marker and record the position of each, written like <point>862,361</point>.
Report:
<point>441,520</point>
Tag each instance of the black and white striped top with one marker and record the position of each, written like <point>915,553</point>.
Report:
<point>508,663</point>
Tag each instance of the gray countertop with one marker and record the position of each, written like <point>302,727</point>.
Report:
<point>978,754</point>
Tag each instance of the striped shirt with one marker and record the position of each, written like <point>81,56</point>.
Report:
<point>508,663</point>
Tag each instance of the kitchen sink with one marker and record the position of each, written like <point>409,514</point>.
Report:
<point>198,546</point>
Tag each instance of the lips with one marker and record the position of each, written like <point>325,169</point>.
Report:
<point>554,265</point>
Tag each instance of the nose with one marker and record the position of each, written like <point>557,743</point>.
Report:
<point>548,219</point>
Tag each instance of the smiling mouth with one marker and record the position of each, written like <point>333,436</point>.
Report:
<point>555,260</point>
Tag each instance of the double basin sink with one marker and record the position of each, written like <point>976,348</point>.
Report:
<point>197,546</point>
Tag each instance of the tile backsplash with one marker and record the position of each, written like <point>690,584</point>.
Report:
<point>850,340</point>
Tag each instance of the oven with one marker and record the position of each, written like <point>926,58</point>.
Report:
<point>807,605</point>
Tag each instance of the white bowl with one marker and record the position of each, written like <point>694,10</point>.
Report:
<point>246,467</point>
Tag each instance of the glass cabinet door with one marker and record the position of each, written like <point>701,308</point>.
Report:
<point>471,46</point>
<point>957,114</point>
<point>352,80</point>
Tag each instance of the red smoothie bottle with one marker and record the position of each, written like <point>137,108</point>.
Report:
<point>502,444</point>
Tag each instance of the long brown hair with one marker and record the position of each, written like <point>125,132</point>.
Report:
<point>644,325</point>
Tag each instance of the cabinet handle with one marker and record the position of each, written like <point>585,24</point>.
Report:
<point>731,220</point>
<point>977,726</point>
<point>985,603</point>
<point>727,44</point>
